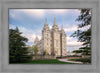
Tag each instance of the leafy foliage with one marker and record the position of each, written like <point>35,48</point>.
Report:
<point>17,47</point>
<point>84,35</point>
<point>35,50</point>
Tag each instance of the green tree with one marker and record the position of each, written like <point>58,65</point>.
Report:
<point>30,49</point>
<point>84,35</point>
<point>35,49</point>
<point>17,47</point>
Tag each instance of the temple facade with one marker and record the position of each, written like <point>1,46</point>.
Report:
<point>53,41</point>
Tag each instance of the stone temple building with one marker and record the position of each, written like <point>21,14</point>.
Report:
<point>53,41</point>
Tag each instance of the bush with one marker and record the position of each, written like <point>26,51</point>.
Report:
<point>26,58</point>
<point>12,59</point>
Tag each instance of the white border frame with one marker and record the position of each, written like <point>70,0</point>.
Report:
<point>5,67</point>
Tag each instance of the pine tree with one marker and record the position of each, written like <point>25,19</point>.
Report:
<point>84,35</point>
<point>17,47</point>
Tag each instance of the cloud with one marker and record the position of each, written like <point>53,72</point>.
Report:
<point>62,11</point>
<point>72,48</point>
<point>72,42</point>
<point>59,11</point>
<point>14,14</point>
<point>11,26</point>
<point>39,13</point>
<point>28,33</point>
<point>85,28</point>
<point>69,38</point>
<point>31,37</point>
<point>70,28</point>
<point>17,13</point>
<point>75,28</point>
<point>74,11</point>
<point>50,27</point>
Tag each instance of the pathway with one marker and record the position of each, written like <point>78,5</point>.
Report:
<point>66,60</point>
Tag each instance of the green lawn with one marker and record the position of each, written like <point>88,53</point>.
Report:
<point>85,60</point>
<point>53,61</point>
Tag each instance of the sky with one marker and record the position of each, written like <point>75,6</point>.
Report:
<point>31,21</point>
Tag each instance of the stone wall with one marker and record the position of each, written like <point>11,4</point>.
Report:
<point>39,57</point>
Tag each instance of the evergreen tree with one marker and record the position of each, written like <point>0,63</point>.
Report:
<point>17,47</point>
<point>84,35</point>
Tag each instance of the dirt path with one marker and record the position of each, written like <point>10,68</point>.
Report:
<point>66,60</point>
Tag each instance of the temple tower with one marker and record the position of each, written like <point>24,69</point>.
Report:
<point>55,34</point>
<point>46,36</point>
<point>63,42</point>
<point>36,40</point>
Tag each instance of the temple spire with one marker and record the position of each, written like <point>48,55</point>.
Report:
<point>45,20</point>
<point>62,27</point>
<point>55,26</point>
<point>54,20</point>
<point>46,25</point>
<point>36,40</point>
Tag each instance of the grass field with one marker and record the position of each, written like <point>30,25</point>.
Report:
<point>88,60</point>
<point>53,61</point>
